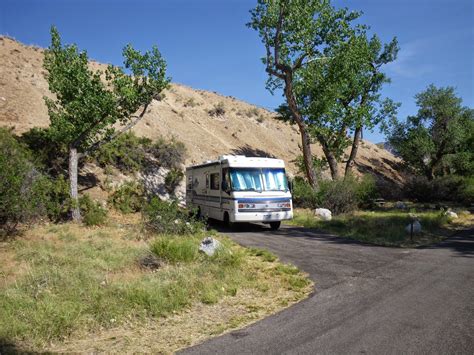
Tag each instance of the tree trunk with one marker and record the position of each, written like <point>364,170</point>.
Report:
<point>73,163</point>
<point>354,149</point>
<point>430,172</point>
<point>330,157</point>
<point>332,162</point>
<point>305,138</point>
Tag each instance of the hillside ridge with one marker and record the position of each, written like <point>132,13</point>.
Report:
<point>185,113</point>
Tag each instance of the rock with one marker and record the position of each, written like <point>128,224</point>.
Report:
<point>416,227</point>
<point>209,246</point>
<point>323,213</point>
<point>451,214</point>
<point>150,262</point>
<point>400,205</point>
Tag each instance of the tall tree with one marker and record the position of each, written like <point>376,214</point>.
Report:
<point>339,93</point>
<point>294,33</point>
<point>439,136</point>
<point>89,105</point>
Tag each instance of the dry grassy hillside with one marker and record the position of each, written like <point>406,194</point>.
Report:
<point>184,113</point>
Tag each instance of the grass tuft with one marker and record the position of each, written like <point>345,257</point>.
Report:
<point>264,254</point>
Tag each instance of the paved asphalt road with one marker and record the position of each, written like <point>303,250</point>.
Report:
<point>367,299</point>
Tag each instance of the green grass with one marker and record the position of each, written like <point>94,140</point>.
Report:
<point>380,227</point>
<point>77,280</point>
<point>265,254</point>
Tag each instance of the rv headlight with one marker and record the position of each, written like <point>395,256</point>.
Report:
<point>284,205</point>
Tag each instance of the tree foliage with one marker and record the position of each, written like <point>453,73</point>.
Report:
<point>90,104</point>
<point>295,32</point>
<point>439,139</point>
<point>340,93</point>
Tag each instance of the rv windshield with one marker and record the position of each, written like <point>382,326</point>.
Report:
<point>266,179</point>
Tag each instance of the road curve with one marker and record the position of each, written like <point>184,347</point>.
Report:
<point>367,299</point>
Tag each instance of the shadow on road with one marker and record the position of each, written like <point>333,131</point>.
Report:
<point>461,243</point>
<point>286,231</point>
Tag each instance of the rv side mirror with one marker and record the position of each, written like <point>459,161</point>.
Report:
<point>290,185</point>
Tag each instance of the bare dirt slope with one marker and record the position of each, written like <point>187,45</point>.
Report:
<point>183,113</point>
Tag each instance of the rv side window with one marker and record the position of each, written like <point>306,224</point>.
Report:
<point>215,181</point>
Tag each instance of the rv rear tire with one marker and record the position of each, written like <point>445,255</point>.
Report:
<point>275,225</point>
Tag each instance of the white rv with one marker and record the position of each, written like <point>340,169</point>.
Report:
<point>236,188</point>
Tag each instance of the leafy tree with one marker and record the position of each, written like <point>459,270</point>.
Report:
<point>438,140</point>
<point>340,93</point>
<point>90,104</point>
<point>294,33</point>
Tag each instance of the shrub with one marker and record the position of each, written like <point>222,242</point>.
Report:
<point>127,152</point>
<point>339,196</point>
<point>169,153</point>
<point>93,214</point>
<point>366,190</point>
<point>172,179</point>
<point>128,198</point>
<point>448,188</point>
<point>59,201</point>
<point>167,217</point>
<point>50,155</point>
<point>190,102</point>
<point>252,112</point>
<point>303,194</point>
<point>23,189</point>
<point>217,110</point>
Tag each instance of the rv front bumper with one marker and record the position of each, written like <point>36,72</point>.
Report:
<point>262,216</point>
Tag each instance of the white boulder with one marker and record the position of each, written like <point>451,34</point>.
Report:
<point>209,246</point>
<point>451,214</point>
<point>323,213</point>
<point>416,227</point>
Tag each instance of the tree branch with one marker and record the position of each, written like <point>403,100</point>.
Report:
<point>100,143</point>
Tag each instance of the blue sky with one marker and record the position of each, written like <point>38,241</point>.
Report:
<point>207,45</point>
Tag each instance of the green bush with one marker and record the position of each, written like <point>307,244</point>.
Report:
<point>172,179</point>
<point>127,152</point>
<point>128,198</point>
<point>130,153</point>
<point>93,214</point>
<point>448,188</point>
<point>167,217</point>
<point>303,194</point>
<point>51,156</point>
<point>169,153</point>
<point>339,196</point>
<point>59,201</point>
<point>23,188</point>
<point>217,110</point>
